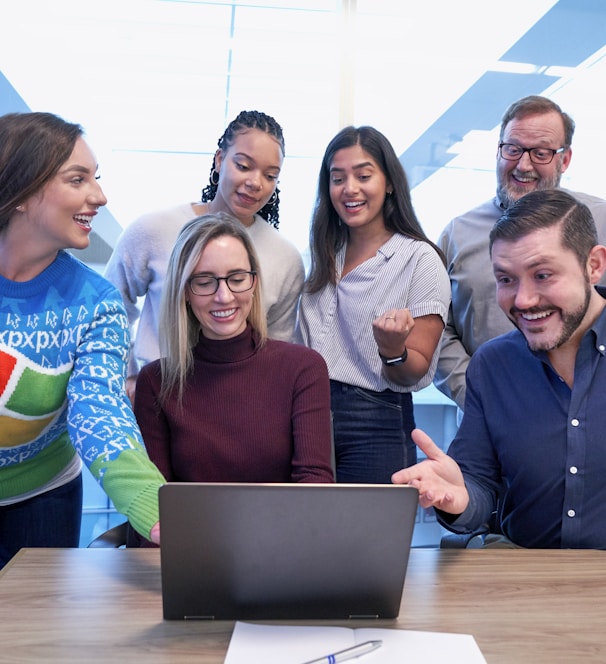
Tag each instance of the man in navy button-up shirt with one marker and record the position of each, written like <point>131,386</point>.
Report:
<point>535,410</point>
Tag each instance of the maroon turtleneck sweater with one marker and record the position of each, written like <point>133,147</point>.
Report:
<point>249,414</point>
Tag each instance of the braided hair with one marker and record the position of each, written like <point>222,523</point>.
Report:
<point>248,120</point>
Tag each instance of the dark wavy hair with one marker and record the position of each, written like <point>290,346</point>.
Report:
<point>33,147</point>
<point>327,234</point>
<point>545,208</point>
<point>249,120</point>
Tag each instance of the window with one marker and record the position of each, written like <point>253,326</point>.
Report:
<point>154,82</point>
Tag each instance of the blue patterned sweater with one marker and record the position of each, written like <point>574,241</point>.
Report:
<point>63,351</point>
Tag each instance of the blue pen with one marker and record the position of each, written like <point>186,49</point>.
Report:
<point>348,653</point>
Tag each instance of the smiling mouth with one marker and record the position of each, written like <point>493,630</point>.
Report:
<point>524,179</point>
<point>83,220</point>
<point>223,314</point>
<point>354,205</point>
<point>248,199</point>
<point>535,316</point>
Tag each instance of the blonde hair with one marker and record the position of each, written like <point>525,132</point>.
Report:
<point>179,328</point>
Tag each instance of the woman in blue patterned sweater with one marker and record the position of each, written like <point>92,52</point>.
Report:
<point>63,347</point>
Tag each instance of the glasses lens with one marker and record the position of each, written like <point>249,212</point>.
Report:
<point>510,151</point>
<point>203,285</point>
<point>240,282</point>
<point>541,155</point>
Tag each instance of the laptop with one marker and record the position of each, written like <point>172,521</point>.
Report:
<point>284,551</point>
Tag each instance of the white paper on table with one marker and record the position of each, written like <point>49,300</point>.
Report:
<point>251,644</point>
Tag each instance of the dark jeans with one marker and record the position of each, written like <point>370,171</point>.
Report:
<point>371,433</point>
<point>51,519</point>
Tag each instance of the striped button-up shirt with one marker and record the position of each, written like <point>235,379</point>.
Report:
<point>337,320</point>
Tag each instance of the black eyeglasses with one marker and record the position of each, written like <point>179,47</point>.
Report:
<point>237,282</point>
<point>513,152</point>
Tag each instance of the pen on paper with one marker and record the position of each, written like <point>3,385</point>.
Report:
<point>348,653</point>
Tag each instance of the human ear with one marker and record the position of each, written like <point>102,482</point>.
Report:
<point>566,157</point>
<point>218,159</point>
<point>596,263</point>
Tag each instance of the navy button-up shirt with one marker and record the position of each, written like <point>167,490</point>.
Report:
<point>524,427</point>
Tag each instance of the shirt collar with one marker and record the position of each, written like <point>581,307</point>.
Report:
<point>599,327</point>
<point>387,250</point>
<point>393,244</point>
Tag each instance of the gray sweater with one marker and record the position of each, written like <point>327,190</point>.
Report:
<point>138,267</point>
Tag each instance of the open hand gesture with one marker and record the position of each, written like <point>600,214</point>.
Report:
<point>438,478</point>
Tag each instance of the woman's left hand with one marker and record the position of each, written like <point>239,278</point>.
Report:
<point>391,329</point>
<point>397,333</point>
<point>154,535</point>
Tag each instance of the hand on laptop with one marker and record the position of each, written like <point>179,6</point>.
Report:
<point>438,478</point>
<point>154,534</point>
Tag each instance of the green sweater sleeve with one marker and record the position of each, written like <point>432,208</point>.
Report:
<point>132,481</point>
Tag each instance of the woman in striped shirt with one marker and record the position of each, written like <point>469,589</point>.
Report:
<point>374,304</point>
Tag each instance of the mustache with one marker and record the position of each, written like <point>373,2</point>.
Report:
<point>530,310</point>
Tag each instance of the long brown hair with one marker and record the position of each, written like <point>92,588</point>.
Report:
<point>33,147</point>
<point>327,234</point>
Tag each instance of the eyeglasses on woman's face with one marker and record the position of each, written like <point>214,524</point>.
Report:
<point>206,284</point>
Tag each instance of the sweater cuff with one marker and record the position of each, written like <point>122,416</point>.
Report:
<point>143,513</point>
<point>132,482</point>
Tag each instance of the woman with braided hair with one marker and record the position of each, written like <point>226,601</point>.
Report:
<point>243,183</point>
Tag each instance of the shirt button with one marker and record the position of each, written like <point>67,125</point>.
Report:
<point>601,348</point>
<point>574,422</point>
<point>573,470</point>
<point>571,513</point>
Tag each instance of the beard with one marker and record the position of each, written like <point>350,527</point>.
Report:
<point>509,193</point>
<point>571,321</point>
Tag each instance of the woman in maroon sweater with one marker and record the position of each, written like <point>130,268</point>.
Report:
<point>225,403</point>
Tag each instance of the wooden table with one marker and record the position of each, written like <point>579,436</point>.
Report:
<point>104,605</point>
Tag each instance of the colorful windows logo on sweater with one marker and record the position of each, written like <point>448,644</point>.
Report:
<point>30,397</point>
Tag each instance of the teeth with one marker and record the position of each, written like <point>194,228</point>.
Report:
<point>83,219</point>
<point>223,314</point>
<point>354,204</point>
<point>542,314</point>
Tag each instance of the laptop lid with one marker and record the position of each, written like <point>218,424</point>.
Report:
<point>284,551</point>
